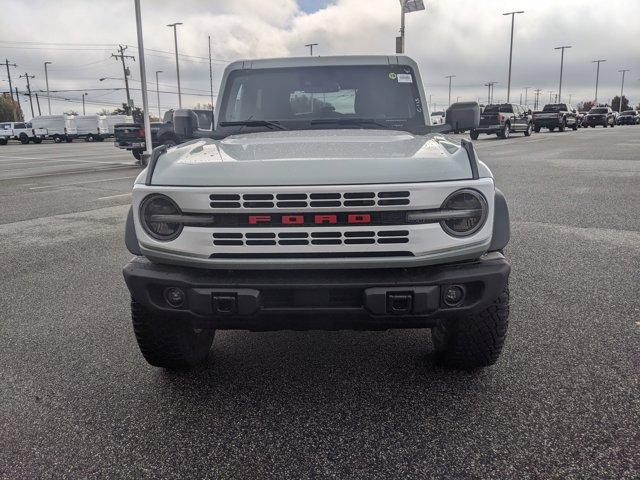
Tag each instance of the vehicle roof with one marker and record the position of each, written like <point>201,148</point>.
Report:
<point>322,61</point>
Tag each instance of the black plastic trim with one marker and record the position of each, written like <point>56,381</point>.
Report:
<point>501,223</point>
<point>473,160</point>
<point>130,237</point>
<point>155,154</point>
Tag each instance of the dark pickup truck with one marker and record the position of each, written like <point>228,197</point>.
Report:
<point>556,115</point>
<point>503,119</point>
<point>131,136</point>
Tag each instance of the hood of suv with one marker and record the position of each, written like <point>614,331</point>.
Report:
<point>313,157</point>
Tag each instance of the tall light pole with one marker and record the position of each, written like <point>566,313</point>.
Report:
<point>311,45</point>
<point>211,80</point>
<point>526,95</point>
<point>449,77</point>
<point>623,71</point>
<point>143,79</point>
<point>406,6</point>
<point>597,77</point>
<point>158,92</point>
<point>513,16</point>
<point>46,78</point>
<point>83,110</point>
<point>175,40</point>
<point>562,49</point>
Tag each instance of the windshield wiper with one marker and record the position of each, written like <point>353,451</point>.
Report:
<point>253,123</point>
<point>348,121</point>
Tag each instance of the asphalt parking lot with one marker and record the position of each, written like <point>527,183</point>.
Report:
<point>79,401</point>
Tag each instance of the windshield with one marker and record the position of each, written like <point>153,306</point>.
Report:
<point>554,108</point>
<point>598,110</point>
<point>311,97</point>
<point>629,112</point>
<point>498,109</point>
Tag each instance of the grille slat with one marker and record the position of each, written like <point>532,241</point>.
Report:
<point>309,200</point>
<point>283,239</point>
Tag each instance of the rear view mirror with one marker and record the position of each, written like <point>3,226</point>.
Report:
<point>463,116</point>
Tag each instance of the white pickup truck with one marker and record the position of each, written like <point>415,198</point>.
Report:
<point>325,199</point>
<point>22,131</point>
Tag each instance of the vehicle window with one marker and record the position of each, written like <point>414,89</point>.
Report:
<point>498,108</point>
<point>630,112</point>
<point>5,126</point>
<point>204,119</point>
<point>598,110</point>
<point>19,125</point>
<point>298,95</point>
<point>27,125</point>
<point>438,114</point>
<point>552,108</point>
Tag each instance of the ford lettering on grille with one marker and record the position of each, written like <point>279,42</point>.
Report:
<point>310,219</point>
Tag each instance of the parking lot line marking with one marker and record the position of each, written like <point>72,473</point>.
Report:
<point>80,183</point>
<point>115,196</point>
<point>15,157</point>
<point>70,172</point>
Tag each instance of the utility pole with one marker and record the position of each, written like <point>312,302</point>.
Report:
<point>563,48</point>
<point>537,100</point>
<point>38,104</point>
<point>406,6</point>
<point>597,77</point>
<point>27,76</point>
<point>449,77</point>
<point>46,78</point>
<point>175,40</point>
<point>623,71</point>
<point>7,64</point>
<point>158,93</point>
<point>526,95</point>
<point>490,91</point>
<point>19,109</point>
<point>520,99</point>
<point>513,16</point>
<point>125,70</point>
<point>550,97</point>
<point>211,81</point>
<point>311,45</point>
<point>83,110</point>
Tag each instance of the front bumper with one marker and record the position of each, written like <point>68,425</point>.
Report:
<point>595,121</point>
<point>327,299</point>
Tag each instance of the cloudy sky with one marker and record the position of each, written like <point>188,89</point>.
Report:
<point>467,38</point>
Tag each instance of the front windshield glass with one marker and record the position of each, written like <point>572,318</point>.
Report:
<point>598,110</point>
<point>313,97</point>
<point>629,112</point>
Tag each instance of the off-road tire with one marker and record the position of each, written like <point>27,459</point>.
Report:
<point>169,343</point>
<point>24,139</point>
<point>3,141</point>
<point>137,154</point>
<point>57,139</point>
<point>37,140</point>
<point>91,138</point>
<point>474,134</point>
<point>473,341</point>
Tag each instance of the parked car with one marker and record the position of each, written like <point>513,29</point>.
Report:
<point>60,128</point>
<point>22,131</point>
<point>131,136</point>
<point>600,116</point>
<point>437,118</point>
<point>305,215</point>
<point>629,117</point>
<point>556,115</point>
<point>504,119</point>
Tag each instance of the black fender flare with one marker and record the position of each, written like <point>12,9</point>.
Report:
<point>130,237</point>
<point>501,223</point>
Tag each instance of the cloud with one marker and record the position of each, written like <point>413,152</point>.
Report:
<point>468,38</point>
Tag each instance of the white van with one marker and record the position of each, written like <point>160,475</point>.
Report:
<point>89,127</point>
<point>59,127</point>
<point>107,122</point>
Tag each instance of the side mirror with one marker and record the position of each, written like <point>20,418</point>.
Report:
<point>463,116</point>
<point>185,123</point>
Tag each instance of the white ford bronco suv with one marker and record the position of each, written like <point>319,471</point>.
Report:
<point>324,200</point>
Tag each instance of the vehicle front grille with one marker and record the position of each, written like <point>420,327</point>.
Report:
<point>309,200</point>
<point>272,239</point>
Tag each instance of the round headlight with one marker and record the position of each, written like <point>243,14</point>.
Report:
<point>468,213</point>
<point>152,210</point>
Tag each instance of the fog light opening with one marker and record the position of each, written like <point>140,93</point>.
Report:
<point>454,295</point>
<point>174,296</point>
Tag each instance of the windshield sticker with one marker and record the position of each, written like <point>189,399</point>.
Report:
<point>405,78</point>
<point>392,76</point>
